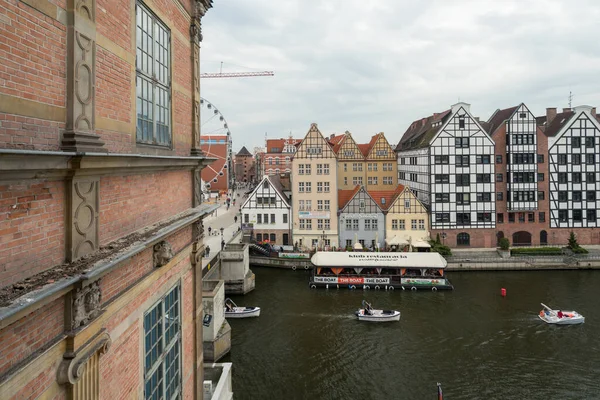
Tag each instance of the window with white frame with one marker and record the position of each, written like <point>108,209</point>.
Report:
<point>307,169</point>
<point>374,224</point>
<point>302,224</point>
<point>402,224</point>
<point>395,224</point>
<point>327,224</point>
<point>355,226</point>
<point>308,205</point>
<point>319,187</point>
<point>413,224</point>
<point>162,348</point>
<point>308,187</point>
<point>300,205</point>
<point>325,169</point>
<point>367,224</point>
<point>348,224</point>
<point>319,169</point>
<point>326,187</point>
<point>259,218</point>
<point>153,79</point>
<point>319,224</point>
<point>309,224</point>
<point>301,187</point>
<point>319,205</point>
<point>388,180</point>
<point>345,180</point>
<point>326,205</point>
<point>354,166</point>
<point>421,224</point>
<point>300,169</point>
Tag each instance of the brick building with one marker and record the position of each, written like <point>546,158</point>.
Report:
<point>100,205</point>
<point>244,163</point>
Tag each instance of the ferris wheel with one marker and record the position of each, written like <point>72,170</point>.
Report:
<point>213,124</point>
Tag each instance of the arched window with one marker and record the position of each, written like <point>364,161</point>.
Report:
<point>463,239</point>
<point>543,237</point>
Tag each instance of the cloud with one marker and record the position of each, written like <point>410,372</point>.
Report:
<point>377,66</point>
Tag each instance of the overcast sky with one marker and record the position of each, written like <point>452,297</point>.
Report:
<point>377,65</point>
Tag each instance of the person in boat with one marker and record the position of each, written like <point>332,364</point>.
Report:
<point>560,314</point>
<point>229,307</point>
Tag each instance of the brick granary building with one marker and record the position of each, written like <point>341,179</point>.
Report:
<point>100,200</point>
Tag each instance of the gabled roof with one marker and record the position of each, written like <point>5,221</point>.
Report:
<point>371,143</point>
<point>364,149</point>
<point>557,123</point>
<point>275,183</point>
<point>422,131</point>
<point>244,152</point>
<point>388,195</point>
<point>499,117</point>
<point>344,196</point>
<point>337,141</point>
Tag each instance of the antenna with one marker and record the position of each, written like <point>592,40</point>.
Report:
<point>570,98</point>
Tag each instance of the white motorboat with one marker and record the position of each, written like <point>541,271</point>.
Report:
<point>232,310</point>
<point>560,317</point>
<point>367,313</point>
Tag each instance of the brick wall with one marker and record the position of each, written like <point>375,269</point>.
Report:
<point>113,21</point>
<point>32,54</point>
<point>113,86</point>
<point>128,203</point>
<point>182,128</point>
<point>26,336</point>
<point>120,366</point>
<point>31,228</point>
<point>118,280</point>
<point>39,384</point>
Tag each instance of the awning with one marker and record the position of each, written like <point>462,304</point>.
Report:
<point>420,243</point>
<point>396,241</point>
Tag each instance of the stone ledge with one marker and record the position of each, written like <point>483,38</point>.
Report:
<point>29,164</point>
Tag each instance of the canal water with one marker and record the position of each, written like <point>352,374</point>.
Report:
<point>307,344</point>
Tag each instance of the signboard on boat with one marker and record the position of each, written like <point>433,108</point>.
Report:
<point>294,255</point>
<point>351,280</point>
<point>423,281</point>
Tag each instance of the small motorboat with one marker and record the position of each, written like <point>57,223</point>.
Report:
<point>232,310</point>
<point>367,313</point>
<point>560,317</point>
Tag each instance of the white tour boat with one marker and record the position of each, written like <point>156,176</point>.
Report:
<point>560,317</point>
<point>367,313</point>
<point>233,311</point>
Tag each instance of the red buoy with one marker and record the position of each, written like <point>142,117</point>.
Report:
<point>503,292</point>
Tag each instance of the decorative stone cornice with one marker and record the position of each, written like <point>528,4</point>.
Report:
<point>27,164</point>
<point>73,365</point>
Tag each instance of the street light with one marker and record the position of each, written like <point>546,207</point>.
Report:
<point>323,240</point>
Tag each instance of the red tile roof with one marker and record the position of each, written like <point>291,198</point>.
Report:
<point>499,117</point>
<point>388,195</point>
<point>337,141</point>
<point>344,196</point>
<point>364,149</point>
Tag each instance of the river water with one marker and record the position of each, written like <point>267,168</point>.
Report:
<point>307,344</point>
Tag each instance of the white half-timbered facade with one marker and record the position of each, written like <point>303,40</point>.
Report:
<point>461,175</point>
<point>267,211</point>
<point>573,150</point>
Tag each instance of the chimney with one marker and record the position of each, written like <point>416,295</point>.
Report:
<point>477,119</point>
<point>593,112</point>
<point>567,109</point>
<point>332,136</point>
<point>550,114</point>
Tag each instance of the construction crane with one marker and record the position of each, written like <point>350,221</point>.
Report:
<point>220,74</point>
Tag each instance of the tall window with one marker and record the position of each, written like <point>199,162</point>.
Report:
<point>162,349</point>
<point>463,239</point>
<point>153,79</point>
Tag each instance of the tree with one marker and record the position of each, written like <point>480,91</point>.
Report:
<point>437,239</point>
<point>503,243</point>
<point>572,242</point>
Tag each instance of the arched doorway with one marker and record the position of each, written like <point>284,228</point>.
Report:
<point>543,237</point>
<point>521,238</point>
<point>499,235</point>
<point>463,239</point>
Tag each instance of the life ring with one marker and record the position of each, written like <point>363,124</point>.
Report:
<point>413,288</point>
<point>434,289</point>
<point>366,287</point>
<point>313,286</point>
<point>293,267</point>
<point>377,287</point>
<point>351,287</point>
<point>306,267</point>
<point>391,288</point>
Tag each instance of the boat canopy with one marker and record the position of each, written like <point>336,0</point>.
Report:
<point>330,259</point>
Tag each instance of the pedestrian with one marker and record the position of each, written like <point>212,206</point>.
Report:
<point>235,219</point>
<point>207,251</point>
<point>209,230</point>
<point>222,244</point>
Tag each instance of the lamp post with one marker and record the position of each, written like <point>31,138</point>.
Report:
<point>323,238</point>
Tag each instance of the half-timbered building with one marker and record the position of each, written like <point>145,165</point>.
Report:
<point>521,170</point>
<point>350,161</point>
<point>406,219</point>
<point>267,209</point>
<point>361,219</point>
<point>380,164</point>
<point>574,188</point>
<point>452,150</point>
<point>314,192</point>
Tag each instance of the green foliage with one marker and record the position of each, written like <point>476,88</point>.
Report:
<point>348,248</point>
<point>572,241</point>
<point>504,243</point>
<point>437,239</point>
<point>536,251</point>
<point>580,250</point>
<point>440,248</point>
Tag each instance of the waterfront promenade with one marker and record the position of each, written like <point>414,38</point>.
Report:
<point>221,218</point>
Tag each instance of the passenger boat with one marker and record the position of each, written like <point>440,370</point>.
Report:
<point>233,311</point>
<point>560,317</point>
<point>379,271</point>
<point>367,313</point>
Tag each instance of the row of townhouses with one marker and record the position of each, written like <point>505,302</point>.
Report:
<point>530,179</point>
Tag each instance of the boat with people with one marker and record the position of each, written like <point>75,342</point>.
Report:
<point>560,317</point>
<point>368,313</point>
<point>232,310</point>
<point>379,271</point>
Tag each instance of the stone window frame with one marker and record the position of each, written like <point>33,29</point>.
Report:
<point>158,80</point>
<point>165,352</point>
